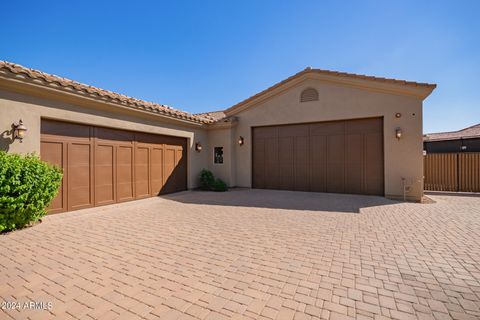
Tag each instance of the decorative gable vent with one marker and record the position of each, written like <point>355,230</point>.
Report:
<point>309,94</point>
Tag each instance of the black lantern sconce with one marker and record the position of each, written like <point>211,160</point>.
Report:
<point>241,141</point>
<point>198,147</point>
<point>19,130</point>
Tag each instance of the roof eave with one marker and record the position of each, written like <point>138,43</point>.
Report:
<point>22,86</point>
<point>18,81</point>
<point>225,123</point>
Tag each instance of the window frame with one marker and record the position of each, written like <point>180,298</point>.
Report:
<point>214,156</point>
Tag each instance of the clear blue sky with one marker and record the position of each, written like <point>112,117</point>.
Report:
<point>207,55</point>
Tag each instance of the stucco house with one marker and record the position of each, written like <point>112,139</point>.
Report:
<point>317,130</point>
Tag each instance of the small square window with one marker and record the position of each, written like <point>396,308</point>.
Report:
<point>218,155</point>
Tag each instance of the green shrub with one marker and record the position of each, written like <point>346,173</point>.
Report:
<point>27,186</point>
<point>220,185</point>
<point>207,180</point>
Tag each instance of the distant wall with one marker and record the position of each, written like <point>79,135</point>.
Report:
<point>458,145</point>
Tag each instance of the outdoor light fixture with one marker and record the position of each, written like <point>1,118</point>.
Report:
<point>198,147</point>
<point>19,130</point>
<point>398,133</point>
<point>241,141</point>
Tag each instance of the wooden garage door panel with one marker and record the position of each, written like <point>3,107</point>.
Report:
<point>301,164</point>
<point>64,129</point>
<point>327,128</point>
<point>363,126</point>
<point>169,161</point>
<point>266,132</point>
<point>258,163</point>
<point>175,169</point>
<point>180,169</point>
<point>157,170</point>
<point>103,165</point>
<point>300,130</point>
<point>271,163</point>
<point>79,176</point>
<point>142,172</point>
<point>124,173</point>
<point>318,160</point>
<point>340,156</point>
<point>336,163</point>
<point>285,163</point>
<point>114,135</point>
<point>354,163</point>
<point>104,174</point>
<point>374,168</point>
<point>54,153</point>
<point>170,154</point>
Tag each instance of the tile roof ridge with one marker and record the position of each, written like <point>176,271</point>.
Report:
<point>60,82</point>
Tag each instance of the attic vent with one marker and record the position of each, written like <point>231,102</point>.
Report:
<point>309,94</point>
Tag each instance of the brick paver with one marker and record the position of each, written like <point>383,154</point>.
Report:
<point>248,254</point>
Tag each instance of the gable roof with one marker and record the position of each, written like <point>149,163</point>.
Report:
<point>418,89</point>
<point>466,133</point>
<point>24,74</point>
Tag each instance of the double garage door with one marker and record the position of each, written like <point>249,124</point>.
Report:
<point>340,157</point>
<point>104,166</point>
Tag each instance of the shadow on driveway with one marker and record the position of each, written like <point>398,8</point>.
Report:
<point>278,199</point>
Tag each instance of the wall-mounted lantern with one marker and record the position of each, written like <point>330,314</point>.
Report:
<point>19,130</point>
<point>198,147</point>
<point>398,133</point>
<point>241,141</point>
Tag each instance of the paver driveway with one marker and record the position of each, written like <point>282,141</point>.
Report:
<point>249,254</point>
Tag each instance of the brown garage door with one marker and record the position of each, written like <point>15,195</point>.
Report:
<point>104,166</point>
<point>340,156</point>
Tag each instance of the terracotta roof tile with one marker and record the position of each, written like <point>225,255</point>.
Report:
<point>213,115</point>
<point>469,132</point>
<point>60,83</point>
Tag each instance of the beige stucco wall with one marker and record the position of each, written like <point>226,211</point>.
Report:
<point>31,109</point>
<point>403,158</point>
<point>222,138</point>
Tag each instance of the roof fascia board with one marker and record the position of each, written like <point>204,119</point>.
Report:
<point>377,86</point>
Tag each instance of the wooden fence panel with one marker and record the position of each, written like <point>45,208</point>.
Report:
<point>452,172</point>
<point>469,172</point>
<point>441,172</point>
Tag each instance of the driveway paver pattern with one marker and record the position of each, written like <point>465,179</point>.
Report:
<point>248,254</point>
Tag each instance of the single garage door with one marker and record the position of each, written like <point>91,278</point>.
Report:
<point>103,166</point>
<point>340,156</point>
